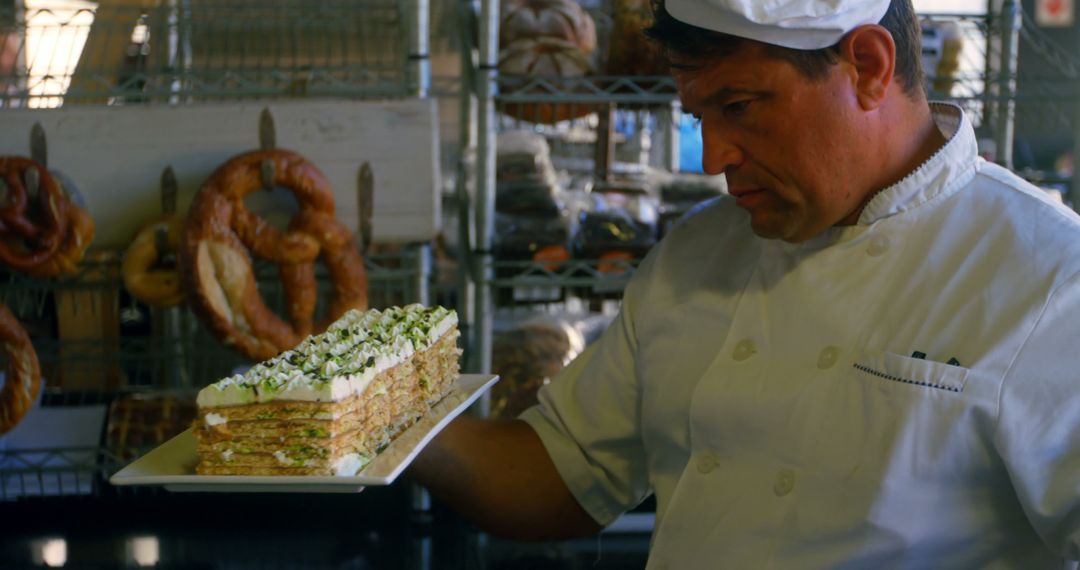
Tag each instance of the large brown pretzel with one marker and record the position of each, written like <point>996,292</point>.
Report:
<point>219,232</point>
<point>29,238</point>
<point>22,381</point>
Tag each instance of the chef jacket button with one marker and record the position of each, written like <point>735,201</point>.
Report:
<point>743,350</point>
<point>785,482</point>
<point>827,358</point>
<point>879,244</point>
<point>706,462</point>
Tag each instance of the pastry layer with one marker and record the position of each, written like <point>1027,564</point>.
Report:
<point>274,435</point>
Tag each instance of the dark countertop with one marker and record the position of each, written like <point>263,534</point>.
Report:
<point>378,528</point>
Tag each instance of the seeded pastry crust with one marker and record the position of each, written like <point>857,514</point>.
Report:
<point>389,379</point>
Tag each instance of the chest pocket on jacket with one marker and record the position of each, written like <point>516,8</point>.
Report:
<point>897,418</point>
<point>885,366</point>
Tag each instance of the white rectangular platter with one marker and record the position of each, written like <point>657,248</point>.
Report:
<point>172,464</point>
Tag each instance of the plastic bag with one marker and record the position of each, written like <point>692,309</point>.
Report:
<point>527,357</point>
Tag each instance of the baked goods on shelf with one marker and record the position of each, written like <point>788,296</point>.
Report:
<point>147,275</point>
<point>22,376</point>
<point>544,38</point>
<point>560,19</point>
<point>220,232</point>
<point>613,236</point>
<point>138,422</point>
<point>527,357</point>
<point>30,235</point>
<point>79,235</point>
<point>630,52</point>
<point>44,234</point>
<point>527,59</point>
<point>329,405</point>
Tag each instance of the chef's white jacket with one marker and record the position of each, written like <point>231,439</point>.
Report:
<point>900,393</point>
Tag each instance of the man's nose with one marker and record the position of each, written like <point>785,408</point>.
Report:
<point>718,151</point>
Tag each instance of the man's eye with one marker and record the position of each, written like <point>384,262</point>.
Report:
<point>736,108</point>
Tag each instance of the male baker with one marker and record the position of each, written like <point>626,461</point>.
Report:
<point>867,356</point>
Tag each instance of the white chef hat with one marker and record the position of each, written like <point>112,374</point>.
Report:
<point>798,24</point>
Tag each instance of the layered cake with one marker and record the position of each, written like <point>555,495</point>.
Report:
<point>329,405</point>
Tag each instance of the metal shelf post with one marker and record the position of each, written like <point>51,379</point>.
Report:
<point>419,60</point>
<point>465,189</point>
<point>485,185</point>
<point>1010,48</point>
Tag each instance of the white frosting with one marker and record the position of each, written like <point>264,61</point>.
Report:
<point>350,464</point>
<point>213,419</point>
<point>441,327</point>
<point>337,364</point>
<point>227,455</point>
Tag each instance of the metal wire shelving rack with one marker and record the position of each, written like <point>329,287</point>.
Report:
<point>198,50</point>
<point>176,52</point>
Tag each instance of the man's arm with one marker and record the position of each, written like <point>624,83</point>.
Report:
<point>1038,419</point>
<point>499,476</point>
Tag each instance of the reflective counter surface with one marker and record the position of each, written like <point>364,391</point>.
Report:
<point>379,528</point>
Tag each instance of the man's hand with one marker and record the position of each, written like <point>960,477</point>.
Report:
<point>499,476</point>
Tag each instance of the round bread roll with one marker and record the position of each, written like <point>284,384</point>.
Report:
<point>22,380</point>
<point>546,57</point>
<point>145,277</point>
<point>559,19</point>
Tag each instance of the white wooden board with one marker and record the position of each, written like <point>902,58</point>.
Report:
<point>115,156</point>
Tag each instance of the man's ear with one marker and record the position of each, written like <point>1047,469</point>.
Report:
<point>872,54</point>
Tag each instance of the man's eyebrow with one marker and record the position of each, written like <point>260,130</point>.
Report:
<point>720,96</point>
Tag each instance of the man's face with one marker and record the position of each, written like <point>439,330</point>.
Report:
<point>790,146</point>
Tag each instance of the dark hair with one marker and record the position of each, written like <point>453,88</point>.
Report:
<point>679,38</point>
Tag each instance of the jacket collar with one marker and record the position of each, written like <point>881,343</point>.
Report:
<point>948,169</point>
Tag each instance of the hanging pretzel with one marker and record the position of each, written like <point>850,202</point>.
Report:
<point>22,382</point>
<point>144,277</point>
<point>80,232</point>
<point>216,265</point>
<point>30,236</point>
